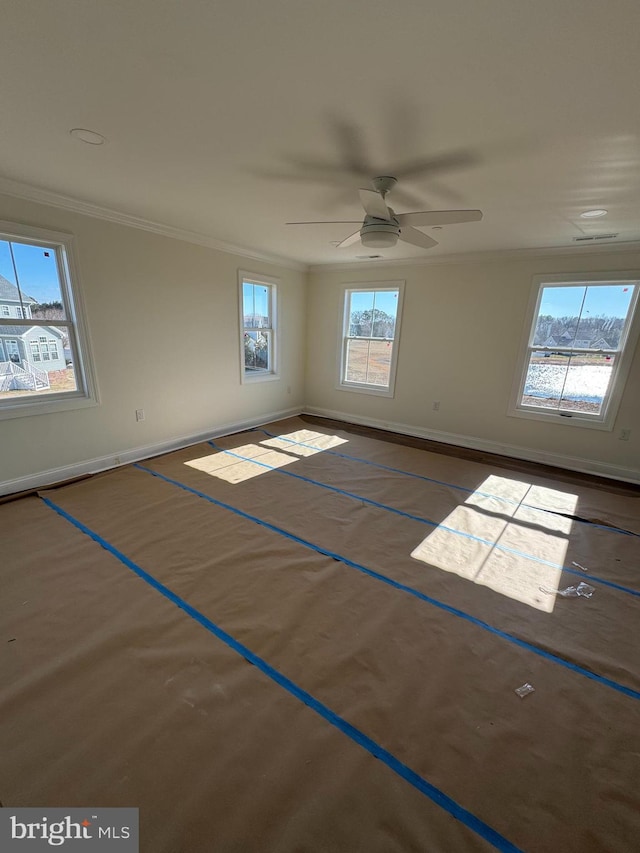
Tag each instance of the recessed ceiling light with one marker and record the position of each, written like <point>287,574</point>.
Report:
<point>88,136</point>
<point>593,214</point>
<point>437,228</point>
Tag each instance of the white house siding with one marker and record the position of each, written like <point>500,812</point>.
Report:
<point>53,343</point>
<point>52,335</point>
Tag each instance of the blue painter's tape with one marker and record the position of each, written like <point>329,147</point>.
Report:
<point>375,749</point>
<point>464,489</point>
<point>454,611</point>
<point>422,520</point>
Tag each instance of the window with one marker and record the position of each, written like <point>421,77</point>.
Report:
<point>581,332</point>
<point>40,318</point>
<point>257,327</point>
<point>370,331</point>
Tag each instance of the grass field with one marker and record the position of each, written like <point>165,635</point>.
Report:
<point>369,362</point>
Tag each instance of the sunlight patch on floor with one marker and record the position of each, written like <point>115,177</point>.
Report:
<point>304,442</point>
<point>495,512</point>
<point>226,465</point>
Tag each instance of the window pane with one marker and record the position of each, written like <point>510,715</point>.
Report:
<point>29,281</point>
<point>603,316</point>
<point>257,348</point>
<point>255,307</point>
<point>21,377</point>
<point>369,362</point>
<point>568,382</point>
<point>558,316</point>
<point>372,314</point>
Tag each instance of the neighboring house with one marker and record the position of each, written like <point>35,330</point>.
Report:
<point>10,303</point>
<point>27,353</point>
<point>40,346</point>
<point>601,344</point>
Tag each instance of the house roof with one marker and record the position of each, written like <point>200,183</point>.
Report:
<point>9,292</point>
<point>21,331</point>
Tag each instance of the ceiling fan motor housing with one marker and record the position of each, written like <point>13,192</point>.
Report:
<point>378,233</point>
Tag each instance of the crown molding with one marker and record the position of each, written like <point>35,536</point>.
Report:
<point>27,192</point>
<point>482,257</point>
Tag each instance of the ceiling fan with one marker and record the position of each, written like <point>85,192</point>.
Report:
<point>382,227</point>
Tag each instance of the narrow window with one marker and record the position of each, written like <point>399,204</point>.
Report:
<point>257,327</point>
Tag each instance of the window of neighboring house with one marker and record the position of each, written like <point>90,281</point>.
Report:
<point>37,271</point>
<point>369,339</point>
<point>258,327</point>
<point>581,333</point>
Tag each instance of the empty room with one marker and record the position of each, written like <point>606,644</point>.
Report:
<point>319,426</point>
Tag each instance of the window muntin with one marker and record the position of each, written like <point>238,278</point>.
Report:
<point>258,327</point>
<point>369,337</point>
<point>43,325</point>
<point>578,349</point>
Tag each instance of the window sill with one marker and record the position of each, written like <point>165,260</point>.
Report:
<point>253,378</point>
<point>573,419</point>
<point>373,390</point>
<point>25,408</point>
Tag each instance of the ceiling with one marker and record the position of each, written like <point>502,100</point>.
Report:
<point>229,118</point>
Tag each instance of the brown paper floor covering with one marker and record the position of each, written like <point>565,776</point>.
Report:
<point>110,695</point>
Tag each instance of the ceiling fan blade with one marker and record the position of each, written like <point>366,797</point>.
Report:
<point>416,238</point>
<point>440,163</point>
<point>439,217</point>
<point>350,139</point>
<point>350,240</point>
<point>328,222</point>
<point>374,204</point>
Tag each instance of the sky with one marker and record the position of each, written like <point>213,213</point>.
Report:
<point>37,272</point>
<point>255,300</point>
<point>612,300</point>
<point>384,300</point>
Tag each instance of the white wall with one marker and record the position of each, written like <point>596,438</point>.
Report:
<point>462,327</point>
<point>163,321</point>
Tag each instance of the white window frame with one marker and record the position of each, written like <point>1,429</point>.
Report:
<point>63,245</point>
<point>361,387</point>
<point>272,372</point>
<point>624,354</point>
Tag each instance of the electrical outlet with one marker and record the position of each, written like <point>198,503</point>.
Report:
<point>117,460</point>
<point>139,414</point>
<point>436,405</point>
<point>624,434</point>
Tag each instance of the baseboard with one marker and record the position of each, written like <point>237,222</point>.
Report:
<point>136,454</point>
<point>556,460</point>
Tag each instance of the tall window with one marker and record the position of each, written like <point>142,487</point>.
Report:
<point>370,332</point>
<point>44,363</point>
<point>257,327</point>
<point>581,334</point>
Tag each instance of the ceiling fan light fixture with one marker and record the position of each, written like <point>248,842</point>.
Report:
<point>379,240</point>
<point>379,235</point>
